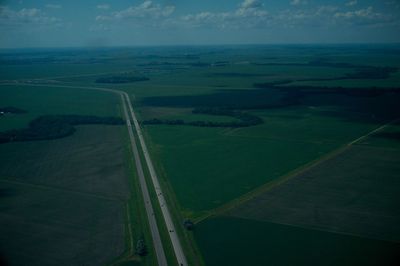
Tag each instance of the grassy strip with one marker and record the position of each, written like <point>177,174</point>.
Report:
<point>164,234</point>
<point>136,223</point>
<point>192,251</point>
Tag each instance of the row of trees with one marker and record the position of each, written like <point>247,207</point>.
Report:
<point>120,79</point>
<point>243,119</point>
<point>11,110</point>
<point>54,127</point>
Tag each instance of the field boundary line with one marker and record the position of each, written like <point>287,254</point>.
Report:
<point>283,179</point>
<point>45,187</point>
<point>305,227</point>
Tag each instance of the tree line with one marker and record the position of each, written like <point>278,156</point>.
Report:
<point>120,79</point>
<point>243,119</point>
<point>11,110</point>
<point>54,127</point>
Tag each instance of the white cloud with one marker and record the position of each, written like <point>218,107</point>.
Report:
<point>367,13</point>
<point>103,6</point>
<point>145,10</point>
<point>53,6</point>
<point>298,2</point>
<point>251,4</point>
<point>351,3</point>
<point>25,16</point>
<point>250,13</point>
<point>332,17</point>
<point>366,17</point>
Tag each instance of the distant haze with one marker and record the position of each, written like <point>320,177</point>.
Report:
<point>39,23</point>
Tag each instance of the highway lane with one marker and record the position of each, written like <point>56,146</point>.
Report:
<point>159,249</point>
<point>176,244</point>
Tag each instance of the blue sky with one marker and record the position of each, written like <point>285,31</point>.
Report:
<point>40,23</point>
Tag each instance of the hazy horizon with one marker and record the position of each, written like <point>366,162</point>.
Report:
<point>54,24</point>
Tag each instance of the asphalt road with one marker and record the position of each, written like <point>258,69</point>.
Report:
<point>159,249</point>
<point>160,196</point>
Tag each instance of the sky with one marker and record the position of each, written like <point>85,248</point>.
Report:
<point>90,23</point>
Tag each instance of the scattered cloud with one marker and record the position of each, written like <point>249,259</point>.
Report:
<point>367,13</point>
<point>103,6</point>
<point>25,16</point>
<point>145,10</point>
<point>365,16</point>
<point>251,4</point>
<point>298,2</point>
<point>351,3</point>
<point>53,6</point>
<point>250,13</point>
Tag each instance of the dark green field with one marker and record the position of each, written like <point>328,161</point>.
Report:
<point>233,241</point>
<point>63,200</point>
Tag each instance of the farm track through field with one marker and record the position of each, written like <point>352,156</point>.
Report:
<point>283,179</point>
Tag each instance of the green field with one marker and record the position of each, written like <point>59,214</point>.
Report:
<point>63,200</point>
<point>233,241</point>
<point>46,100</point>
<point>344,209</point>
<point>356,192</point>
<point>239,160</point>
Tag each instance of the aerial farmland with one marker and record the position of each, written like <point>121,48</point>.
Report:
<point>182,151</point>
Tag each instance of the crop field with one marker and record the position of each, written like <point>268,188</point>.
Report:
<point>346,204</point>
<point>234,241</point>
<point>56,209</point>
<point>241,159</point>
<point>356,193</point>
<point>63,201</point>
<point>44,100</point>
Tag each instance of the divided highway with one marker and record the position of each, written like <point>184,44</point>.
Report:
<point>160,196</point>
<point>155,234</point>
